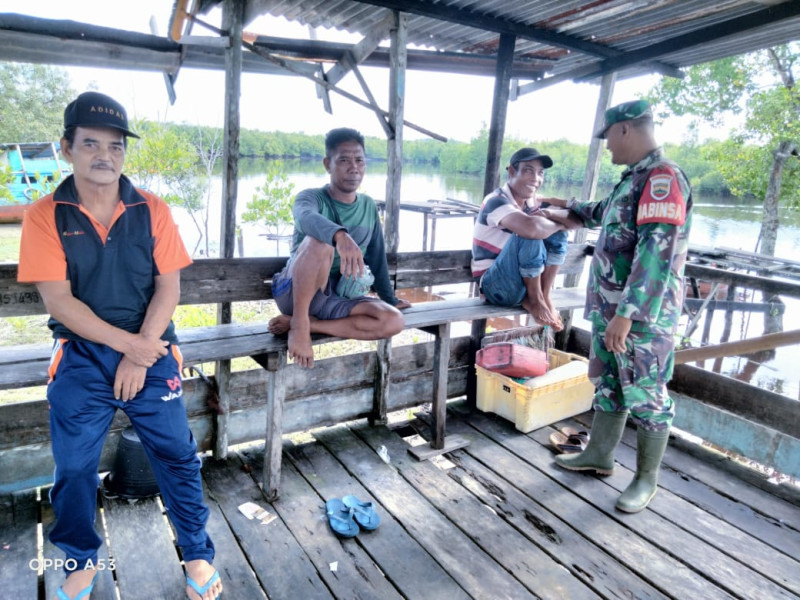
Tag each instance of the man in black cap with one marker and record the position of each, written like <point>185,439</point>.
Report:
<point>106,259</point>
<point>633,298</point>
<point>516,251</point>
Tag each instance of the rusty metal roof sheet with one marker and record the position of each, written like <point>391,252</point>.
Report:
<point>573,36</point>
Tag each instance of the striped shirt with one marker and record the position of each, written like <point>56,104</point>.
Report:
<point>488,237</point>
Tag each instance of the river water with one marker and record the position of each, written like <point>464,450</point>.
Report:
<point>717,222</point>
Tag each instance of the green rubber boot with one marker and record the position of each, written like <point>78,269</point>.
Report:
<point>650,447</point>
<point>607,428</point>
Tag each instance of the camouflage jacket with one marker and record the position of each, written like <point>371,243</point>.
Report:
<point>637,268</point>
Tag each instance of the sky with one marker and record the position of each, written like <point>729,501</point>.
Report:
<point>289,103</point>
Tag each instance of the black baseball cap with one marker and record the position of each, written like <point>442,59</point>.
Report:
<point>93,109</point>
<point>525,154</point>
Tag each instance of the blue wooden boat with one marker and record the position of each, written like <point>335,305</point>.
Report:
<point>35,169</point>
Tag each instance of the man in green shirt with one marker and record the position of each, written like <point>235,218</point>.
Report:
<point>337,236</point>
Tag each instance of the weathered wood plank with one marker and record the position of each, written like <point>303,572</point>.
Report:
<point>761,515</point>
<point>28,422</point>
<point>698,474</point>
<point>740,435</point>
<point>19,517</point>
<point>232,340</point>
<point>636,553</point>
<point>459,555</point>
<point>25,465</point>
<point>280,563</point>
<point>748,401</point>
<point>104,586</point>
<point>714,565</point>
<point>230,560</point>
<point>579,554</point>
<point>137,532</point>
<point>417,573</point>
<point>302,508</point>
<point>529,564</point>
<point>705,525</point>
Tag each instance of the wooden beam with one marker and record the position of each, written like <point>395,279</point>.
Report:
<point>773,287</point>
<point>387,129</point>
<point>765,342</point>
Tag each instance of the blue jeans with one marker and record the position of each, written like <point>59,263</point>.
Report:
<point>502,283</point>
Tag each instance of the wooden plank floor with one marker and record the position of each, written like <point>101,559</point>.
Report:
<point>497,519</point>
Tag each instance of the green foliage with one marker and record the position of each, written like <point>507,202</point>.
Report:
<point>32,101</point>
<point>761,85</point>
<point>466,158</point>
<point>272,201</point>
<point>6,177</point>
<point>163,156</point>
<point>707,91</point>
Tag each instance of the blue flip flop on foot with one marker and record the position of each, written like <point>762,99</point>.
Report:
<point>84,593</point>
<point>364,512</point>
<point>204,588</point>
<point>340,518</point>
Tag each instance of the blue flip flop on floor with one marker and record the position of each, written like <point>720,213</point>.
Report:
<point>340,518</point>
<point>203,589</point>
<point>84,593</point>
<point>364,512</point>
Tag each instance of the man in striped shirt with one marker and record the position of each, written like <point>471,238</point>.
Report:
<point>516,251</point>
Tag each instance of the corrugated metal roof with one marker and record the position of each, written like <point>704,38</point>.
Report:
<point>588,30</point>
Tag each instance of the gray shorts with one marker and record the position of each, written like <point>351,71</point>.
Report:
<point>326,305</point>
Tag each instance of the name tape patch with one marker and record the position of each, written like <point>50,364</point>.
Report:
<point>662,200</point>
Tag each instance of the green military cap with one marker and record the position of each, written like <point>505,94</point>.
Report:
<point>624,112</point>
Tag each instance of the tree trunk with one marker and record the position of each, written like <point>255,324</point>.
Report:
<point>769,223</point>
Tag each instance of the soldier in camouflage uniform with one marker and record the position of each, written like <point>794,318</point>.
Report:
<point>634,298</point>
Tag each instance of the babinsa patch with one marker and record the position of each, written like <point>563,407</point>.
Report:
<point>662,200</point>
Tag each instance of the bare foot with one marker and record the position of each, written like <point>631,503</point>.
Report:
<point>201,573</point>
<point>300,348</point>
<point>78,581</point>
<point>279,325</point>
<point>541,313</point>
<point>558,324</point>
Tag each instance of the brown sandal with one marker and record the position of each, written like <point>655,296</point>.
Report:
<point>569,440</point>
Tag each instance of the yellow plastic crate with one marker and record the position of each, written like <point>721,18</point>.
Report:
<point>534,407</point>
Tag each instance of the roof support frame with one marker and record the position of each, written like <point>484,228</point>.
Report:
<point>357,54</point>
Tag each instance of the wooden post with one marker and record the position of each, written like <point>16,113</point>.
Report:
<point>441,360</point>
<point>497,128</point>
<point>476,337</point>
<point>439,443</point>
<point>273,438</point>
<point>232,21</point>
<point>382,380</point>
<point>397,89</point>
<point>589,188</point>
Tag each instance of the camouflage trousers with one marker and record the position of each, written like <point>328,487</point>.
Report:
<point>635,380</point>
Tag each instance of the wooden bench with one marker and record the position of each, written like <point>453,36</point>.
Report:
<point>234,280</point>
